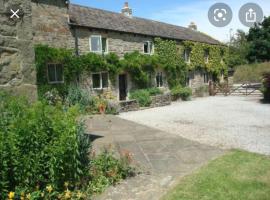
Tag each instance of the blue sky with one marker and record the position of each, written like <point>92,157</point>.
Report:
<point>180,12</point>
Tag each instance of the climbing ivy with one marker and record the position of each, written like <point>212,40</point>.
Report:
<point>216,60</point>
<point>172,61</point>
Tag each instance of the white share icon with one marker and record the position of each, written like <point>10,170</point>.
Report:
<point>14,13</point>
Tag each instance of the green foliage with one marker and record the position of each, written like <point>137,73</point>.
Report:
<point>238,50</point>
<point>139,67</point>
<point>259,41</point>
<point>172,61</point>
<point>154,91</point>
<point>142,96</point>
<point>252,73</point>
<point>107,170</point>
<point>202,91</point>
<point>266,86</point>
<point>40,144</point>
<point>181,92</point>
<point>73,65</point>
<point>216,61</point>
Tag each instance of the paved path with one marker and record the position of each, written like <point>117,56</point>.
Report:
<point>163,158</point>
<point>226,122</point>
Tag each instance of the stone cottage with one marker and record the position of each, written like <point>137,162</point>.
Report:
<point>58,23</point>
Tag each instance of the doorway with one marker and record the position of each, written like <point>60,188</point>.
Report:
<point>122,87</point>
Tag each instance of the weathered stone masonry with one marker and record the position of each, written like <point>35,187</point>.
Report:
<point>17,71</point>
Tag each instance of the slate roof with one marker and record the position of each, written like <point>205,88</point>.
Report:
<point>101,19</point>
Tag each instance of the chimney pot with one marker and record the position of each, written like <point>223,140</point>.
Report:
<point>126,10</point>
<point>192,26</point>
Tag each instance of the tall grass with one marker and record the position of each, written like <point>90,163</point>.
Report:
<point>252,73</point>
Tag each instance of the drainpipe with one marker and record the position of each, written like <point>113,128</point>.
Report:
<point>76,52</point>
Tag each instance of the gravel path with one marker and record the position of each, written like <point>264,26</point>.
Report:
<point>226,122</point>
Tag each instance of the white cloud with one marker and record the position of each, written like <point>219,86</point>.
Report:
<point>197,12</point>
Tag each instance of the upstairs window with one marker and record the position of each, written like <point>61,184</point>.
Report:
<point>100,80</point>
<point>148,47</point>
<point>98,44</point>
<point>159,79</point>
<point>55,73</point>
<point>206,56</point>
<point>187,55</point>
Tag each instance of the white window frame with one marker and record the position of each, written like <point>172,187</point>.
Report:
<point>100,40</point>
<point>162,77</point>
<point>149,50</point>
<point>187,55</point>
<point>100,80</point>
<point>54,82</point>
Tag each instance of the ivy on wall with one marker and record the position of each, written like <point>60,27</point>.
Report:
<point>172,61</point>
<point>216,59</point>
<point>168,56</point>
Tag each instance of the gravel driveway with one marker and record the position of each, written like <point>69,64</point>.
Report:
<point>226,122</point>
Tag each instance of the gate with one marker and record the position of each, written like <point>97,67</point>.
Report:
<point>244,89</point>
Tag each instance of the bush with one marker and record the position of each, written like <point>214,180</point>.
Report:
<point>142,96</point>
<point>251,73</point>
<point>107,170</point>
<point>154,91</point>
<point>202,91</point>
<point>266,86</point>
<point>181,92</point>
<point>40,144</point>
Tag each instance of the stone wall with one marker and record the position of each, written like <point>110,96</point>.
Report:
<point>129,105</point>
<point>17,71</point>
<point>119,43</point>
<point>50,24</point>
<point>161,100</point>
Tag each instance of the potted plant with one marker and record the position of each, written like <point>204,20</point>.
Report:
<point>102,106</point>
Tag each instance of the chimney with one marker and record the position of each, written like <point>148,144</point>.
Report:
<point>126,10</point>
<point>192,26</point>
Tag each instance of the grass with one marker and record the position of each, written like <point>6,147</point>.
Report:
<point>251,73</point>
<point>237,175</point>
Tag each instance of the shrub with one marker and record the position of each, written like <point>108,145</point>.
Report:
<point>107,170</point>
<point>181,92</point>
<point>40,144</point>
<point>154,91</point>
<point>266,86</point>
<point>251,73</point>
<point>142,96</point>
<point>202,91</point>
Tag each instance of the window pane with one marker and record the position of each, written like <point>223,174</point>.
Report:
<point>145,49</point>
<point>104,44</point>
<point>105,82</point>
<point>96,80</point>
<point>51,72</point>
<point>59,72</point>
<point>150,47</point>
<point>95,43</point>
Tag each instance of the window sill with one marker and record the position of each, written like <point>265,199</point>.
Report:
<point>57,82</point>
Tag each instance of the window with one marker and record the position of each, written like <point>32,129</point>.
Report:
<point>206,56</point>
<point>148,47</point>
<point>206,77</point>
<point>100,80</point>
<point>98,44</point>
<point>55,73</point>
<point>159,79</point>
<point>187,55</point>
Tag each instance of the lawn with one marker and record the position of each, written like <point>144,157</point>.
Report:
<point>237,175</point>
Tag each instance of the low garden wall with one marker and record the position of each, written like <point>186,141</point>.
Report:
<point>129,105</point>
<point>161,100</point>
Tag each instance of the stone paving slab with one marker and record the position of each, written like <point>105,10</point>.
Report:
<point>162,158</point>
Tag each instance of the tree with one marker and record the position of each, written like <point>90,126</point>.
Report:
<point>238,49</point>
<point>259,40</point>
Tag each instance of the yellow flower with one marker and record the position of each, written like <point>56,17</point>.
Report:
<point>67,194</point>
<point>11,195</point>
<point>49,188</point>
<point>79,195</point>
<point>28,196</point>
